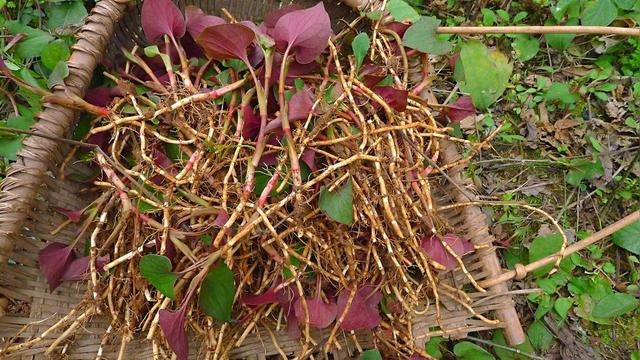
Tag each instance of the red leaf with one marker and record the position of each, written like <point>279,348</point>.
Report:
<point>460,109</point>
<point>363,313</point>
<point>73,215</point>
<point>295,69</point>
<point>271,296</point>
<point>271,19</point>
<point>172,325</point>
<point>102,95</point>
<point>54,259</point>
<point>309,158</point>
<point>303,32</point>
<point>300,104</point>
<point>160,17</point>
<point>397,99</point>
<point>251,126</point>
<point>79,268</point>
<point>397,27</point>
<point>453,60</point>
<point>292,326</point>
<point>221,218</point>
<point>169,251</point>
<point>321,315</point>
<point>197,20</point>
<point>161,159</point>
<point>226,41</point>
<point>437,252</point>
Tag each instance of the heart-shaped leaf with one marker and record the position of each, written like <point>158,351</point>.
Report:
<point>321,314</point>
<point>363,313</point>
<point>197,20</point>
<point>157,270</point>
<point>161,17</point>
<point>217,292</point>
<point>482,73</point>
<point>79,268</point>
<point>271,296</point>
<point>628,237</point>
<point>300,104</point>
<point>73,215</point>
<point>395,98</point>
<point>172,325</point>
<point>226,41</point>
<point>338,204</point>
<point>460,109</point>
<point>303,33</point>
<point>432,245</point>
<point>615,304</point>
<point>423,37</point>
<point>54,260</point>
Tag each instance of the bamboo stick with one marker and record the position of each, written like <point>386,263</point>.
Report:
<point>536,29</point>
<point>522,270</point>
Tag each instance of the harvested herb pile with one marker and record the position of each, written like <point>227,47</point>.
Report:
<point>273,175</point>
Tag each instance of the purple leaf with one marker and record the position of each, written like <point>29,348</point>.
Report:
<point>304,33</point>
<point>251,125</point>
<point>271,296</point>
<point>271,19</point>
<point>79,268</point>
<point>292,326</point>
<point>102,95</point>
<point>321,315</point>
<point>300,104</point>
<point>363,313</point>
<point>160,17</point>
<point>169,251</point>
<point>73,215</point>
<point>397,27</point>
<point>226,41</point>
<point>101,139</point>
<point>437,252</point>
<point>295,69</point>
<point>172,325</point>
<point>54,259</point>
<point>460,109</point>
<point>397,99</point>
<point>197,20</point>
<point>221,218</point>
<point>309,158</point>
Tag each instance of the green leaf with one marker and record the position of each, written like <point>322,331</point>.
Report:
<point>360,46</point>
<point>469,351</point>
<point>372,354</point>
<point>562,306</point>
<point>157,270</point>
<point>422,36</point>
<point>432,347</point>
<point>565,7</point>
<point>482,73</point>
<point>615,304</point>
<point>628,237</point>
<point>626,4</point>
<point>59,73</point>
<point>401,11</point>
<point>338,204</point>
<point>9,147</point>
<point>525,347</point>
<point>488,17</point>
<point>599,13</point>
<point>33,44</point>
<point>65,13</point>
<point>560,41</point>
<point>217,293</point>
<point>174,153</point>
<point>560,93</point>
<point>583,169</point>
<point>54,53</point>
<point>543,246</point>
<point>525,46</point>
<point>540,337</point>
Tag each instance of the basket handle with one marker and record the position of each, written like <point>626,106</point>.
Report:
<point>24,179</point>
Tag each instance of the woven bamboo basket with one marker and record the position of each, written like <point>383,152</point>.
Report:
<point>31,191</point>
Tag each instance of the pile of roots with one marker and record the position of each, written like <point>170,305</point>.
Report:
<point>276,173</point>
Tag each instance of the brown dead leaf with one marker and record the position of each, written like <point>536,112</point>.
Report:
<point>566,123</point>
<point>578,70</point>
<point>530,131</point>
<point>615,109</point>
